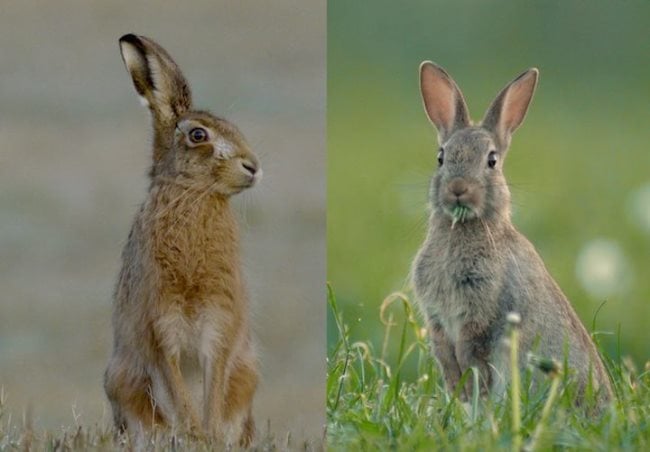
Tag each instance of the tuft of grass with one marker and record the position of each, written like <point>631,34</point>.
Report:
<point>102,438</point>
<point>372,405</point>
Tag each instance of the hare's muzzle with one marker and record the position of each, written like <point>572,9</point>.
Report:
<point>251,170</point>
<point>249,167</point>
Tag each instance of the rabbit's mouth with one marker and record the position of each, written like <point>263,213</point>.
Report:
<point>460,213</point>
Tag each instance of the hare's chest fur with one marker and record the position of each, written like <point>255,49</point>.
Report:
<point>200,304</point>
<point>457,275</point>
<point>194,337</point>
<point>193,250</point>
<point>193,279</point>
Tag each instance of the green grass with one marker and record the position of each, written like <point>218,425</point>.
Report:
<point>372,404</point>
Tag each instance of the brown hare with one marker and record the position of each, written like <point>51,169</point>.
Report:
<point>474,266</point>
<point>180,305</point>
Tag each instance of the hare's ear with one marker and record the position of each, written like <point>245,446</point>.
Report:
<point>443,101</point>
<point>156,78</point>
<point>508,110</point>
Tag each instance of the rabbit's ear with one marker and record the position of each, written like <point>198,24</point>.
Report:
<point>508,110</point>
<point>443,101</point>
<point>156,77</point>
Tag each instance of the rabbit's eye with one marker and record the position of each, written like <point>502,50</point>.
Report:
<point>492,159</point>
<point>198,135</point>
<point>441,156</point>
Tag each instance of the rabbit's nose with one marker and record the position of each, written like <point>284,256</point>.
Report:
<point>458,187</point>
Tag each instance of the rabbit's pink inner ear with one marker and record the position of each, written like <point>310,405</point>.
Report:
<point>508,110</point>
<point>517,100</point>
<point>443,101</point>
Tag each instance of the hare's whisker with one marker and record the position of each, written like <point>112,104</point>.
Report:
<point>194,204</point>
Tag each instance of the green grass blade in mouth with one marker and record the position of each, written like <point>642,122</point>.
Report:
<point>455,215</point>
<point>459,213</point>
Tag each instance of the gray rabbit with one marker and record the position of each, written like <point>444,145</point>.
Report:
<point>474,266</point>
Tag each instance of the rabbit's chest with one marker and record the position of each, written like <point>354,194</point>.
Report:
<point>455,286</point>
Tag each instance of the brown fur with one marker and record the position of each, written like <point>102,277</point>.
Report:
<point>180,293</point>
<point>469,274</point>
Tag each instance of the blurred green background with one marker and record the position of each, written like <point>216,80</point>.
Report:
<point>579,167</point>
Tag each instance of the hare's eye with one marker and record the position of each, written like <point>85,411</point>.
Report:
<point>198,135</point>
<point>492,159</point>
<point>441,156</point>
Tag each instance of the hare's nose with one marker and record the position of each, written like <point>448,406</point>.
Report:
<point>249,167</point>
<point>458,187</point>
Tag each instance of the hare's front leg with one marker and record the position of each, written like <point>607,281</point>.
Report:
<point>214,391</point>
<point>443,349</point>
<point>174,384</point>
<point>128,390</point>
<point>473,350</point>
<point>239,425</point>
<point>219,333</point>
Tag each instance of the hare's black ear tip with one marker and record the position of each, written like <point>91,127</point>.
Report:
<point>130,38</point>
<point>131,45</point>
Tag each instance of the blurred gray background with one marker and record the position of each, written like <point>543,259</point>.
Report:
<point>74,152</point>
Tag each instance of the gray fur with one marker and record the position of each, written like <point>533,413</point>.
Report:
<point>468,275</point>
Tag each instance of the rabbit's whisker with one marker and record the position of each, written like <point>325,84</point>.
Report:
<point>488,232</point>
